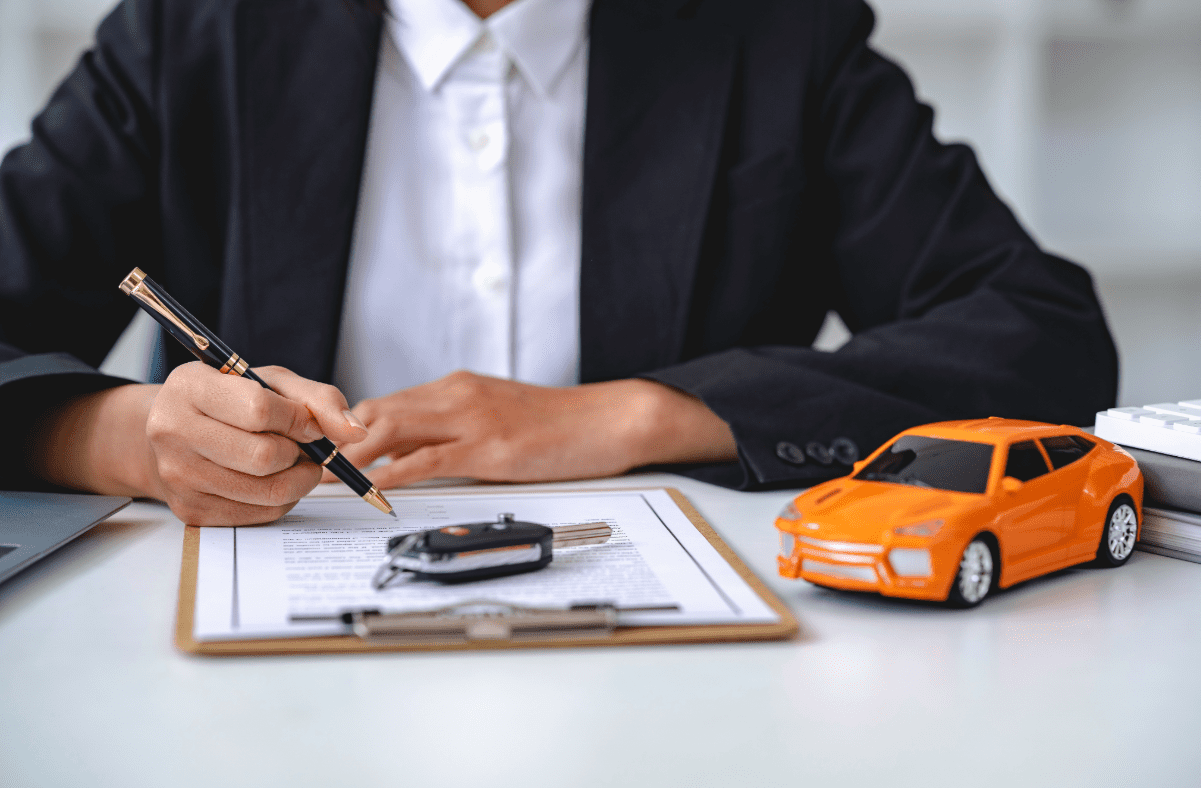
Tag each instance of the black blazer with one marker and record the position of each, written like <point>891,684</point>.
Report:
<point>748,166</point>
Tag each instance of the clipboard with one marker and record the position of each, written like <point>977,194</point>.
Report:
<point>784,629</point>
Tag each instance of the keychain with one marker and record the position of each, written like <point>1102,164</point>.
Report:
<point>475,551</point>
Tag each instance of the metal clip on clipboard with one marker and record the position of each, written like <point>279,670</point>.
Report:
<point>482,620</point>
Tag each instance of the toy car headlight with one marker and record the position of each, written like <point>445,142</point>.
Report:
<point>910,561</point>
<point>787,543</point>
<point>790,512</point>
<point>925,528</point>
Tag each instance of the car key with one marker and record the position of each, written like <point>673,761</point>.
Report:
<point>475,551</point>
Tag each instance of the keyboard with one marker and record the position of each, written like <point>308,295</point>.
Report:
<point>1166,427</point>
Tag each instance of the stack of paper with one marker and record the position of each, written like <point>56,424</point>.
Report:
<point>1171,533</point>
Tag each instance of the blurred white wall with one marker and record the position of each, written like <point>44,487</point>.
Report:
<point>1087,116</point>
<point>1085,113</point>
<point>39,42</point>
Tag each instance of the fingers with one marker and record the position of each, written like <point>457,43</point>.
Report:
<point>323,402</point>
<point>225,448</point>
<point>467,425</point>
<point>241,403</point>
<point>253,454</point>
<point>440,429</point>
<point>204,493</point>
<point>381,444</point>
<point>385,442</point>
<point>279,489</point>
<point>209,510</point>
<point>399,424</point>
<point>442,460</point>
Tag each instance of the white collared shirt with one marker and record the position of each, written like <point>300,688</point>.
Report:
<point>466,249</point>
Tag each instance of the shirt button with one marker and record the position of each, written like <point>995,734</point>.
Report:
<point>489,280</point>
<point>790,453</point>
<point>479,140</point>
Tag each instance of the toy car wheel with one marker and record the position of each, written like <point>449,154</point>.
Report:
<point>974,580</point>
<point>1121,529</point>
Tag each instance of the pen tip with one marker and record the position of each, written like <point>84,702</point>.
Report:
<point>377,499</point>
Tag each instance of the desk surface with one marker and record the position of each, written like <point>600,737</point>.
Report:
<point>1086,677</point>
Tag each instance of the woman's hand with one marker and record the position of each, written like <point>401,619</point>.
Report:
<point>468,425</point>
<point>218,449</point>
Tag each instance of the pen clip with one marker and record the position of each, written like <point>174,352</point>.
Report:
<point>134,285</point>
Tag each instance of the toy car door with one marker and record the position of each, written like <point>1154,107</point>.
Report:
<point>1032,520</point>
<point>1069,475</point>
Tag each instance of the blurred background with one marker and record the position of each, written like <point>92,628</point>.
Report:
<point>1086,115</point>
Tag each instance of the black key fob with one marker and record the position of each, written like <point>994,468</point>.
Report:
<point>473,551</point>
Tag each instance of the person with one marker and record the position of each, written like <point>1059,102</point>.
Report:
<point>536,240</point>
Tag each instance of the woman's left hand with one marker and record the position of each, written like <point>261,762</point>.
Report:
<point>471,426</point>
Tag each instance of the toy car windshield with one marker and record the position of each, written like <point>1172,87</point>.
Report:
<point>956,466</point>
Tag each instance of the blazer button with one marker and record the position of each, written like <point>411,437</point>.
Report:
<point>790,453</point>
<point>819,453</point>
<point>844,450</point>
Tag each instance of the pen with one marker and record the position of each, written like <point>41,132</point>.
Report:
<point>205,345</point>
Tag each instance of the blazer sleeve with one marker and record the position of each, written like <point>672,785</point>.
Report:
<point>955,311</point>
<point>30,385</point>
<point>77,213</point>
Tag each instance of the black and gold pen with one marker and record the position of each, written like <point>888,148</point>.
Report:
<point>205,345</point>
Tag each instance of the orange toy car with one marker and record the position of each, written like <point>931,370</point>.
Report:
<point>953,510</point>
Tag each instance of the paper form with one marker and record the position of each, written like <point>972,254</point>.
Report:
<point>318,561</point>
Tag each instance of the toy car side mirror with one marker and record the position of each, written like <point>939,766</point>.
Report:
<point>858,466</point>
<point>1010,484</point>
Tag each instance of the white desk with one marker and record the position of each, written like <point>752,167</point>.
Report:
<point>1089,677</point>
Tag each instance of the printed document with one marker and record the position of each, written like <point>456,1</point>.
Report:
<point>296,576</point>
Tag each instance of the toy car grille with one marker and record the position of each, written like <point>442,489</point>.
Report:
<point>841,547</point>
<point>865,574</point>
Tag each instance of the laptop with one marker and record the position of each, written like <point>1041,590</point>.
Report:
<point>33,525</point>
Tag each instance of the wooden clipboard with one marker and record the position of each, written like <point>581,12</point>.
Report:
<point>783,629</point>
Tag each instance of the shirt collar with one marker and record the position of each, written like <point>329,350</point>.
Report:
<point>541,36</point>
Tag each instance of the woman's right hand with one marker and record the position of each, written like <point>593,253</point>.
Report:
<point>218,449</point>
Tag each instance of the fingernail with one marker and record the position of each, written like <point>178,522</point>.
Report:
<point>354,421</point>
<point>311,433</point>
